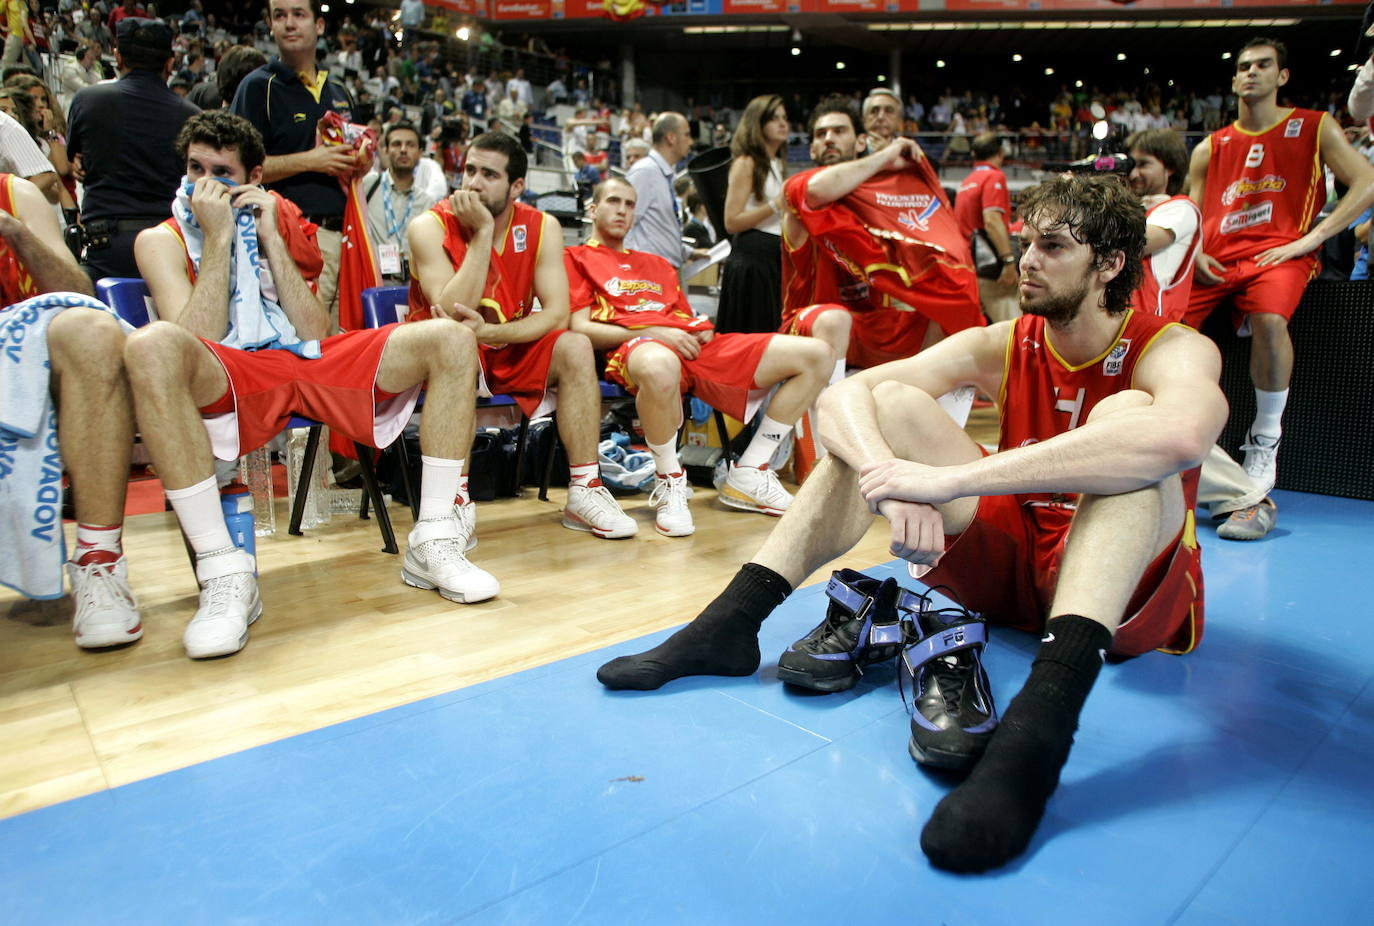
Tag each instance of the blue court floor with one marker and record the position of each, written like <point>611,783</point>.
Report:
<point>1232,786</point>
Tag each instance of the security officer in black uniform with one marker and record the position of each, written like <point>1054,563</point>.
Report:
<point>125,135</point>
<point>285,99</point>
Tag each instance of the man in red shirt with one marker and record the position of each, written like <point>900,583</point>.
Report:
<point>1259,184</point>
<point>1080,527</point>
<point>983,207</point>
<point>630,304</point>
<point>482,257</point>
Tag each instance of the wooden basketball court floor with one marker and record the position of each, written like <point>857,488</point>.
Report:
<point>378,755</point>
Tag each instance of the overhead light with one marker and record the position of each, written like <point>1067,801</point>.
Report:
<point>1078,84</point>
<point>1049,72</point>
<point>940,62</point>
<point>1171,83</point>
<point>881,78</point>
<point>1121,56</point>
<point>795,51</point>
<point>1016,57</point>
<point>1226,56</point>
<point>463,33</point>
<point>1147,70</point>
<point>1335,52</point>
<point>839,65</point>
<point>324,7</point>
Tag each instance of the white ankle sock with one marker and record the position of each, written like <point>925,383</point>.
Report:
<point>1269,413</point>
<point>439,480</point>
<point>766,440</point>
<point>665,457</point>
<point>202,519</point>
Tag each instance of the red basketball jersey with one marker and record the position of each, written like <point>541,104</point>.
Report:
<point>16,283</point>
<point>632,289</point>
<point>1043,396</point>
<point>1168,298</point>
<point>509,293</point>
<point>1263,188</point>
<point>898,233</point>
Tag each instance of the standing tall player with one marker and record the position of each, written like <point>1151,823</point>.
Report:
<point>1259,184</point>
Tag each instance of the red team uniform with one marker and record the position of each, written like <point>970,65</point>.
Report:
<point>984,188</point>
<point>518,370</point>
<point>891,253</point>
<point>1168,298</point>
<point>635,289</point>
<point>267,387</point>
<point>1263,190</point>
<point>1021,537</point>
<point>16,283</point>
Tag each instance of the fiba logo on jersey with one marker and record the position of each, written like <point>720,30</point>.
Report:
<point>517,235</point>
<point>1112,365</point>
<point>1293,129</point>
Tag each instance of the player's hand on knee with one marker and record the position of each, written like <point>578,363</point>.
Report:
<point>905,481</point>
<point>679,340</point>
<point>1209,269</point>
<point>918,531</point>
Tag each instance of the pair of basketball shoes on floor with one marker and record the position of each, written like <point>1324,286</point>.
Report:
<point>939,651</point>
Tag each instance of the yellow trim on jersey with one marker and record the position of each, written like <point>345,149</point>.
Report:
<point>1237,126</point>
<point>1006,368</point>
<point>1099,358</point>
<point>495,307</point>
<point>499,246</point>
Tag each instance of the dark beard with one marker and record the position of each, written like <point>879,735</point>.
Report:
<point>1057,310</point>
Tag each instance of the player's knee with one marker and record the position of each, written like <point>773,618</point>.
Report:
<point>813,356</point>
<point>452,340</point>
<point>573,350</point>
<point>156,352</point>
<point>1121,401</point>
<point>832,325</point>
<point>1268,325</point>
<point>655,369</point>
<point>86,340</point>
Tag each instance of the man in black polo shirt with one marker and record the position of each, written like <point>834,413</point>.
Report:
<point>285,99</point>
<point>125,135</point>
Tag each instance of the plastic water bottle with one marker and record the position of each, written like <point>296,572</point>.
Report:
<point>317,500</point>
<point>256,469</point>
<point>237,503</point>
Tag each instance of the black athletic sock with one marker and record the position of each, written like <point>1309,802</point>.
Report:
<point>990,818</point>
<point>723,640</point>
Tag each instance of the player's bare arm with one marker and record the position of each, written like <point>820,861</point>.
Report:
<point>550,288</point>
<point>203,307</point>
<point>33,234</point>
<point>1351,169</point>
<point>442,284</point>
<point>1209,270</point>
<point>839,180</point>
<point>307,314</point>
<point>1137,446</point>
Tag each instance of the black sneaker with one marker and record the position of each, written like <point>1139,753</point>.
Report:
<point>952,714</point>
<point>861,627</point>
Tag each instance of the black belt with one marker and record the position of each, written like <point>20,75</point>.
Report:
<point>327,222</point>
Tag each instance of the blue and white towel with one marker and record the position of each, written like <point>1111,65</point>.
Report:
<point>30,460</point>
<point>256,319</point>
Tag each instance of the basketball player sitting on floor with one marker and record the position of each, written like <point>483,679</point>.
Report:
<point>1119,406</point>
<point>631,304</point>
<point>243,347</point>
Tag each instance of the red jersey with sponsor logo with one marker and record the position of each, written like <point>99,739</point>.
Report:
<point>16,283</point>
<point>1042,396</point>
<point>632,289</point>
<point>984,188</point>
<point>898,233</point>
<point>509,293</point>
<point>1263,188</point>
<point>1168,298</point>
<point>810,275</point>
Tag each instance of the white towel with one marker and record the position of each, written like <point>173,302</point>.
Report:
<point>256,319</point>
<point>30,460</point>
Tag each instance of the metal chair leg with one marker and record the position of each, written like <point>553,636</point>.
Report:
<point>724,438</point>
<point>312,444</point>
<point>522,440</point>
<point>374,491</point>
<point>411,494</point>
<point>547,469</point>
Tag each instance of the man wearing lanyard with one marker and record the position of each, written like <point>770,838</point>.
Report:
<point>658,226</point>
<point>393,199</point>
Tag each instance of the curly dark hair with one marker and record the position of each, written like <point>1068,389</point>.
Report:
<point>836,103</point>
<point>222,130</point>
<point>1101,213</point>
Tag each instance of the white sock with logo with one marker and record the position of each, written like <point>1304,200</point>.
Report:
<point>765,442</point>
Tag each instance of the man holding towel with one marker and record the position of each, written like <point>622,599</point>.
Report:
<point>243,347</point>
